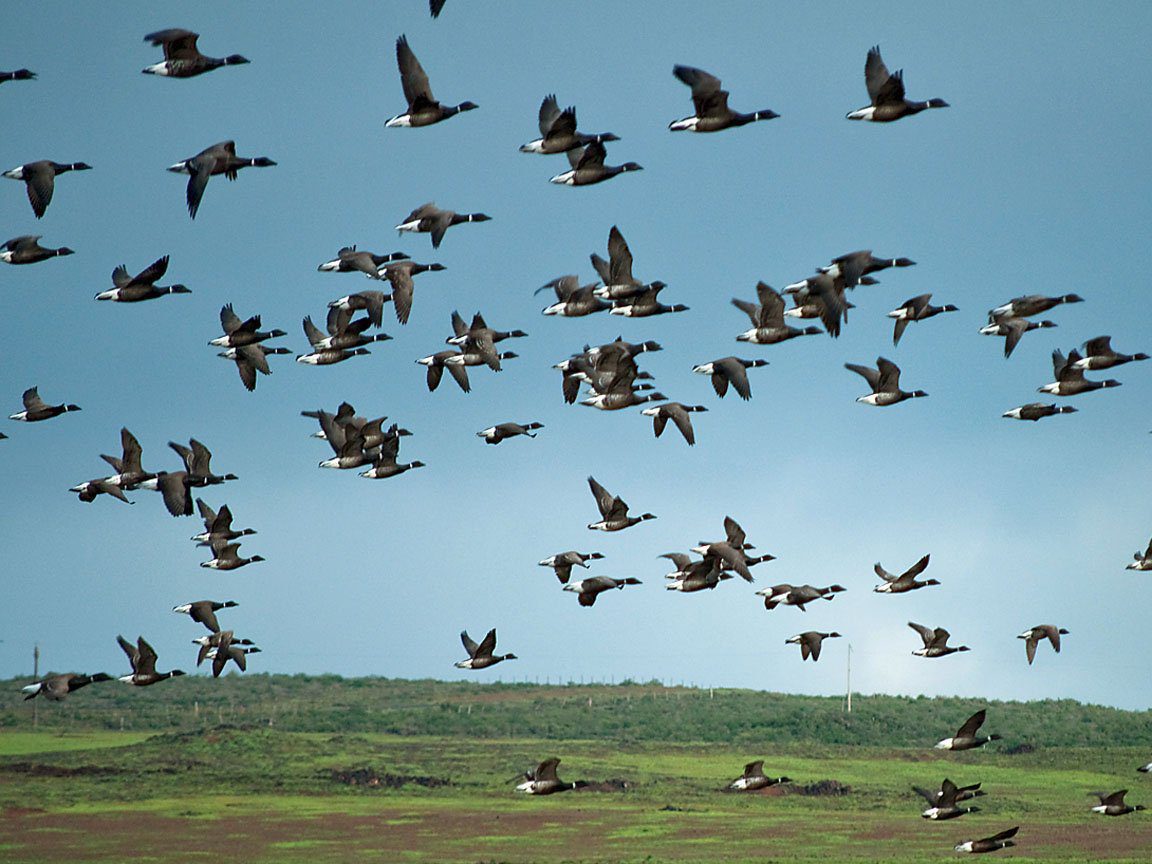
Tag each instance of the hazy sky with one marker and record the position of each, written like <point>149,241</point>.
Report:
<point>1036,180</point>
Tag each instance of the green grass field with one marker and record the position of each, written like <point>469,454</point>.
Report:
<point>261,795</point>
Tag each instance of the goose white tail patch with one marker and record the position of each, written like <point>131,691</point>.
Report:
<point>414,225</point>
<point>687,124</point>
<point>400,120</point>
<point>862,113</point>
<point>568,178</point>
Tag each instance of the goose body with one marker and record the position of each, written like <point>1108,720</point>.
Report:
<point>1142,560</point>
<point>218,159</point>
<point>796,595</point>
<point>588,167</point>
<point>36,409</point>
<point>563,562</point>
<point>885,383</point>
<point>944,803</point>
<point>56,688</point>
<point>558,131</point>
<point>1035,410</point>
<point>767,317</point>
<point>589,589</point>
<point>39,179</point>
<point>710,101</point>
<point>481,656</point>
<point>1113,804</point>
<point>935,642</point>
<point>503,431</point>
<point>204,612</point>
<point>430,219</point>
<point>1034,635</point>
<point>353,260</point>
<point>250,359</point>
<point>1031,304</point>
<point>1070,380</point>
<point>613,510</point>
<point>730,370</point>
<point>967,737</point>
<point>225,557</point>
<point>906,581</point>
<point>678,413</point>
<point>182,59</point>
<point>142,657</point>
<point>989,844</point>
<point>754,778</point>
<point>573,300</point>
<point>1098,354</point>
<point>142,286</point>
<point>810,642</point>
<point>886,90</point>
<point>543,781</point>
<point>423,109</point>
<point>1012,329</point>
<point>918,308</point>
<point>27,250</point>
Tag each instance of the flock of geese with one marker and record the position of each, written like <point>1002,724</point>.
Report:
<point>611,373</point>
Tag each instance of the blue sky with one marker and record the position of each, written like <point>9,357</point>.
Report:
<point>1036,180</point>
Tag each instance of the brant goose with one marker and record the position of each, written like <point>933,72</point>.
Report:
<point>221,654</point>
<point>142,286</point>
<point>143,660</point>
<point>225,557</point>
<point>343,332</point>
<point>40,180</point>
<point>558,129</point>
<point>796,595</point>
<point>238,333</point>
<point>935,642</point>
<point>563,563</point>
<point>481,656</point>
<point>25,250</point>
<point>129,472</point>
<point>678,413</point>
<point>852,267</point>
<point>645,304</point>
<point>886,90</point>
<point>690,576</point>
<point>730,551</point>
<point>17,75</point>
<point>438,362</point>
<point>711,104</point>
<point>479,338</point>
<point>966,737</point>
<point>399,273</point>
<point>1032,304</point>
<point>767,316</point>
<point>371,302</point>
<point>385,464</point>
<point>943,803</point>
<point>753,778</point>
<point>428,218</point>
<point>906,581</point>
<point>588,589</point>
<point>1035,410</point>
<point>209,643</point>
<point>616,272</point>
<point>622,394</point>
<point>1098,354</point>
<point>809,642</point>
<point>1142,560</point>
<point>1033,635</point>
<point>730,370</point>
<point>36,409</point>
<point>613,510</point>
<point>204,611</point>
<point>1113,804</point>
<point>423,109</point>
<point>824,293</point>
<point>197,462</point>
<point>915,309</point>
<point>573,300</point>
<point>218,159</point>
<point>1011,329</point>
<point>989,844</point>
<point>89,490</point>
<point>351,260</point>
<point>1070,380</point>
<point>503,431</point>
<point>885,383</point>
<point>588,167</point>
<point>176,489</point>
<point>543,781</point>
<point>250,359</point>
<point>328,356</point>
<point>182,59</point>
<point>56,687</point>
<point>217,525</point>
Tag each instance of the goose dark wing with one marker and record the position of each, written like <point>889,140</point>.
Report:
<point>402,291</point>
<point>412,77</point>
<point>469,643</point>
<point>972,724</point>
<point>179,44</point>
<point>889,380</point>
<point>883,86</point>
<point>605,500</point>
<point>487,644</point>
<point>926,633</point>
<point>754,769</point>
<point>40,181</point>
<point>593,154</point>
<point>546,770</point>
<point>916,569</point>
<point>32,401</point>
<point>146,660</point>
<point>152,273</point>
<point>619,256</point>
<point>130,650</point>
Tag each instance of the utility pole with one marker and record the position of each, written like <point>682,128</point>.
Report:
<point>36,677</point>
<point>849,677</point>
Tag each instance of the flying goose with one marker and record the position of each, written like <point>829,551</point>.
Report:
<point>917,308</point>
<point>385,464</point>
<point>371,302</point>
<point>694,575</point>
<point>563,562</point>
<point>56,687</point>
<point>423,109</point>
<point>1098,354</point>
<point>822,296</point>
<point>711,104</point>
<point>573,300</point>
<point>209,644</point>
<point>886,90</point>
<point>217,525</point>
<point>544,781</point>
<point>943,803</point>
<point>1032,304</point>
<point>328,356</point>
<point>885,383</point>
<point>935,641</point>
<point>852,267</point>
<point>225,557</point>
<point>1033,635</point>
<point>238,333</point>
<point>250,359</point>
<point>143,660</point>
<point>429,219</point>
<point>796,595</point>
<point>906,581</point>
<point>1012,328</point>
<point>129,471</point>
<point>198,463</point>
<point>176,489</point>
<point>479,338</point>
<point>1035,410</point>
<point>753,778</point>
<point>730,551</point>
<point>589,589</point>
<point>438,362</point>
<point>989,844</point>
<point>142,286</point>
<point>966,737</point>
<point>182,59</point>
<point>204,611</point>
<point>588,167</point>
<point>40,180</point>
<point>730,370</point>
<point>678,413</point>
<point>613,510</point>
<point>26,250</point>
<point>620,395</point>
<point>503,431</point>
<point>230,649</point>
<point>809,642</point>
<point>646,304</point>
<point>616,272</point>
<point>17,75</point>
<point>481,656</point>
<point>353,260</point>
<point>220,158</point>
<point>767,316</point>
<point>90,490</point>
<point>344,332</point>
<point>1142,560</point>
<point>1070,380</point>
<point>1113,804</point>
<point>558,130</point>
<point>36,409</point>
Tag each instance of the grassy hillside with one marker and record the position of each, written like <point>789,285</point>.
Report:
<point>627,712</point>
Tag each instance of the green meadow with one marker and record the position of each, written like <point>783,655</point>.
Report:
<point>192,788</point>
